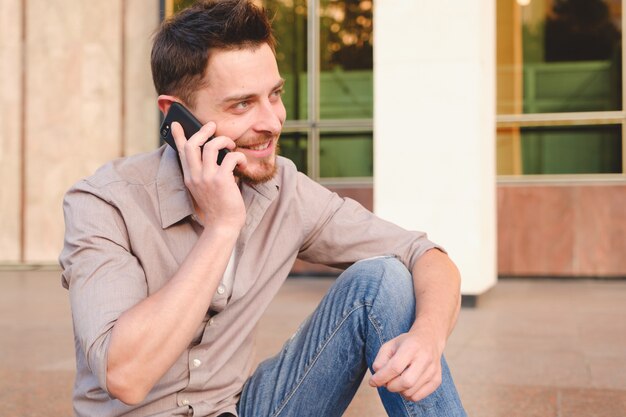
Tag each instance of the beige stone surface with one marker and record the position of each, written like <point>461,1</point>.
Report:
<point>141,114</point>
<point>10,128</point>
<point>74,98</point>
<point>89,99</point>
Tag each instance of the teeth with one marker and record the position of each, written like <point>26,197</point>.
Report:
<point>260,147</point>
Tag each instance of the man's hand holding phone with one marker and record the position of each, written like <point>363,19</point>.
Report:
<point>213,187</point>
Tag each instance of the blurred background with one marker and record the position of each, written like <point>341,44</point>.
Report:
<point>495,125</point>
<point>524,98</point>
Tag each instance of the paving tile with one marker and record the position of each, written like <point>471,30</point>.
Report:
<point>603,334</point>
<point>521,367</point>
<point>592,403</point>
<point>487,400</point>
<point>36,394</point>
<point>608,372</point>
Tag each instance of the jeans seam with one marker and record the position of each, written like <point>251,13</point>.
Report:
<point>372,319</point>
<point>316,357</point>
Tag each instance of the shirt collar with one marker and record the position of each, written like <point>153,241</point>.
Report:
<point>175,202</point>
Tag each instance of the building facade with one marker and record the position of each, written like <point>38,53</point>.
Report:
<point>497,127</point>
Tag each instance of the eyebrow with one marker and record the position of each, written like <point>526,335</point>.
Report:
<point>244,97</point>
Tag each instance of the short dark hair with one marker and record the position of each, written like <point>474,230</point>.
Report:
<point>184,41</point>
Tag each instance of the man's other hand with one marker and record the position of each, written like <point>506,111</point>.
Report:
<point>409,364</point>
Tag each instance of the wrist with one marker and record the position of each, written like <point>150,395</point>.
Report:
<point>222,231</point>
<point>423,327</point>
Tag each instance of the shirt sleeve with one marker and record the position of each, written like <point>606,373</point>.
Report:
<point>341,231</point>
<point>103,277</point>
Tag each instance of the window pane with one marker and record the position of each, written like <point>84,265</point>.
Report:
<point>346,155</point>
<point>346,39</point>
<point>289,20</point>
<point>559,56</point>
<point>181,4</point>
<point>560,150</point>
<point>293,145</point>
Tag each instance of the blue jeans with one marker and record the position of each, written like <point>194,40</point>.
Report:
<point>321,367</point>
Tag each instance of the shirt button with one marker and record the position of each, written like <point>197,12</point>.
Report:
<point>221,290</point>
<point>185,402</point>
<point>197,362</point>
<point>211,322</point>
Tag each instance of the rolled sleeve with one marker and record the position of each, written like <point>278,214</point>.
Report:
<point>343,232</point>
<point>103,277</point>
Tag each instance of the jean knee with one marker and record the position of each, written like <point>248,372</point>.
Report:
<point>382,278</point>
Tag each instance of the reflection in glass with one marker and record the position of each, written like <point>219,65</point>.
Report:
<point>346,155</point>
<point>559,150</point>
<point>346,59</point>
<point>559,56</point>
<point>293,145</point>
<point>289,21</point>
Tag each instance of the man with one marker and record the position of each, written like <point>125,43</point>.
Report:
<point>171,259</point>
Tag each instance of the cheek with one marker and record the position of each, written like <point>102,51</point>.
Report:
<point>281,112</point>
<point>234,129</point>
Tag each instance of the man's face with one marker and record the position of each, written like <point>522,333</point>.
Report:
<point>243,97</point>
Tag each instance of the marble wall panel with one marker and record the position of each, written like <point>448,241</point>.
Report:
<point>568,230</point>
<point>141,114</point>
<point>535,230</point>
<point>600,242</point>
<point>11,105</point>
<point>73,96</point>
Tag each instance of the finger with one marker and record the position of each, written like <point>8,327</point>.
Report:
<point>193,152</point>
<point>233,159</point>
<point>431,374</point>
<point>200,137</point>
<point>212,148</point>
<point>408,380</point>
<point>394,367</point>
<point>385,353</point>
<point>424,390</point>
<point>179,138</point>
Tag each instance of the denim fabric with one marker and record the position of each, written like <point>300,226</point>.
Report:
<point>320,368</point>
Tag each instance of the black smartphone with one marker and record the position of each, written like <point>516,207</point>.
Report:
<point>179,113</point>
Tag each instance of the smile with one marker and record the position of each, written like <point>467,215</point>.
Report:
<point>261,147</point>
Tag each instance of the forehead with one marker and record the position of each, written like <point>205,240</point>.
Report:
<point>249,67</point>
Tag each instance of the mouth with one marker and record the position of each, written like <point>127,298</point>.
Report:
<point>258,147</point>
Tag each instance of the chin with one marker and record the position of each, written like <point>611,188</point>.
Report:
<point>263,172</point>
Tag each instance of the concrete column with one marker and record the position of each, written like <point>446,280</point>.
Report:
<point>73,110</point>
<point>11,73</point>
<point>89,99</point>
<point>141,113</point>
<point>434,119</point>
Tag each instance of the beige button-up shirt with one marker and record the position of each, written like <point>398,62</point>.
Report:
<point>131,224</point>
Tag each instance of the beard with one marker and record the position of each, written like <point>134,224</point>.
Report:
<point>266,172</point>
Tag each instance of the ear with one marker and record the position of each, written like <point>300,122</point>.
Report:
<point>165,101</point>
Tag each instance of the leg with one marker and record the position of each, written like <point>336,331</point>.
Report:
<point>320,368</point>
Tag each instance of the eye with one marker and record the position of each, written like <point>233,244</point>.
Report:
<point>277,93</point>
<point>242,105</point>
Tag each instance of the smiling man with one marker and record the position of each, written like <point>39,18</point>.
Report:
<point>171,259</point>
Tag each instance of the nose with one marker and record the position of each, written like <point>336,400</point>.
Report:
<point>271,117</point>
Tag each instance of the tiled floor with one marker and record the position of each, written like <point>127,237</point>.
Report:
<point>532,348</point>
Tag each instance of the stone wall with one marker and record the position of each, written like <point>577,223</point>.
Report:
<point>76,92</point>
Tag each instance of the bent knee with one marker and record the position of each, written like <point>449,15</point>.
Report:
<point>384,274</point>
